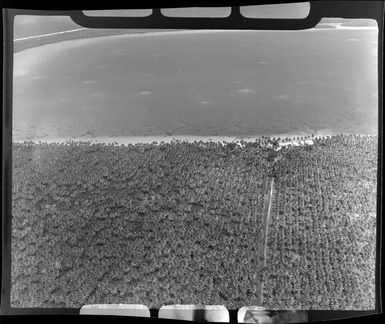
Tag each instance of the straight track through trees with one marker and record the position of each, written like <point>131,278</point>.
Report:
<point>266,219</point>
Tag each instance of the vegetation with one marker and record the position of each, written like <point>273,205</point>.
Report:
<point>183,223</point>
<point>139,224</point>
<point>323,226</point>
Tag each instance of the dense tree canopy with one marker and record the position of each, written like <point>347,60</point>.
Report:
<point>183,223</point>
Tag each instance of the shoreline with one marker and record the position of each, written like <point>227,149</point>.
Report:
<point>192,31</point>
<point>77,34</point>
<point>133,140</point>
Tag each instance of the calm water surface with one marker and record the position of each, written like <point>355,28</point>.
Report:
<point>208,83</point>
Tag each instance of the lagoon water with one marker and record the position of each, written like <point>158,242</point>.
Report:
<point>205,83</point>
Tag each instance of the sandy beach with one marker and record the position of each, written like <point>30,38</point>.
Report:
<point>119,140</point>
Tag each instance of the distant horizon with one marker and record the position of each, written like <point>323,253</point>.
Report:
<point>32,25</point>
<point>333,25</point>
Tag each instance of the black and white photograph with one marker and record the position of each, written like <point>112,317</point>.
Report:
<point>228,167</point>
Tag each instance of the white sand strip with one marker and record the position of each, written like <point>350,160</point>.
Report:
<point>50,34</point>
<point>292,138</point>
<point>126,140</point>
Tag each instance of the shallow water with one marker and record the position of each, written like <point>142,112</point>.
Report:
<point>198,83</point>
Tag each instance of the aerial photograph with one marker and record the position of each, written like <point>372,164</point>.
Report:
<point>194,167</point>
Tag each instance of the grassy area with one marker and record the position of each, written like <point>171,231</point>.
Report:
<point>183,223</point>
